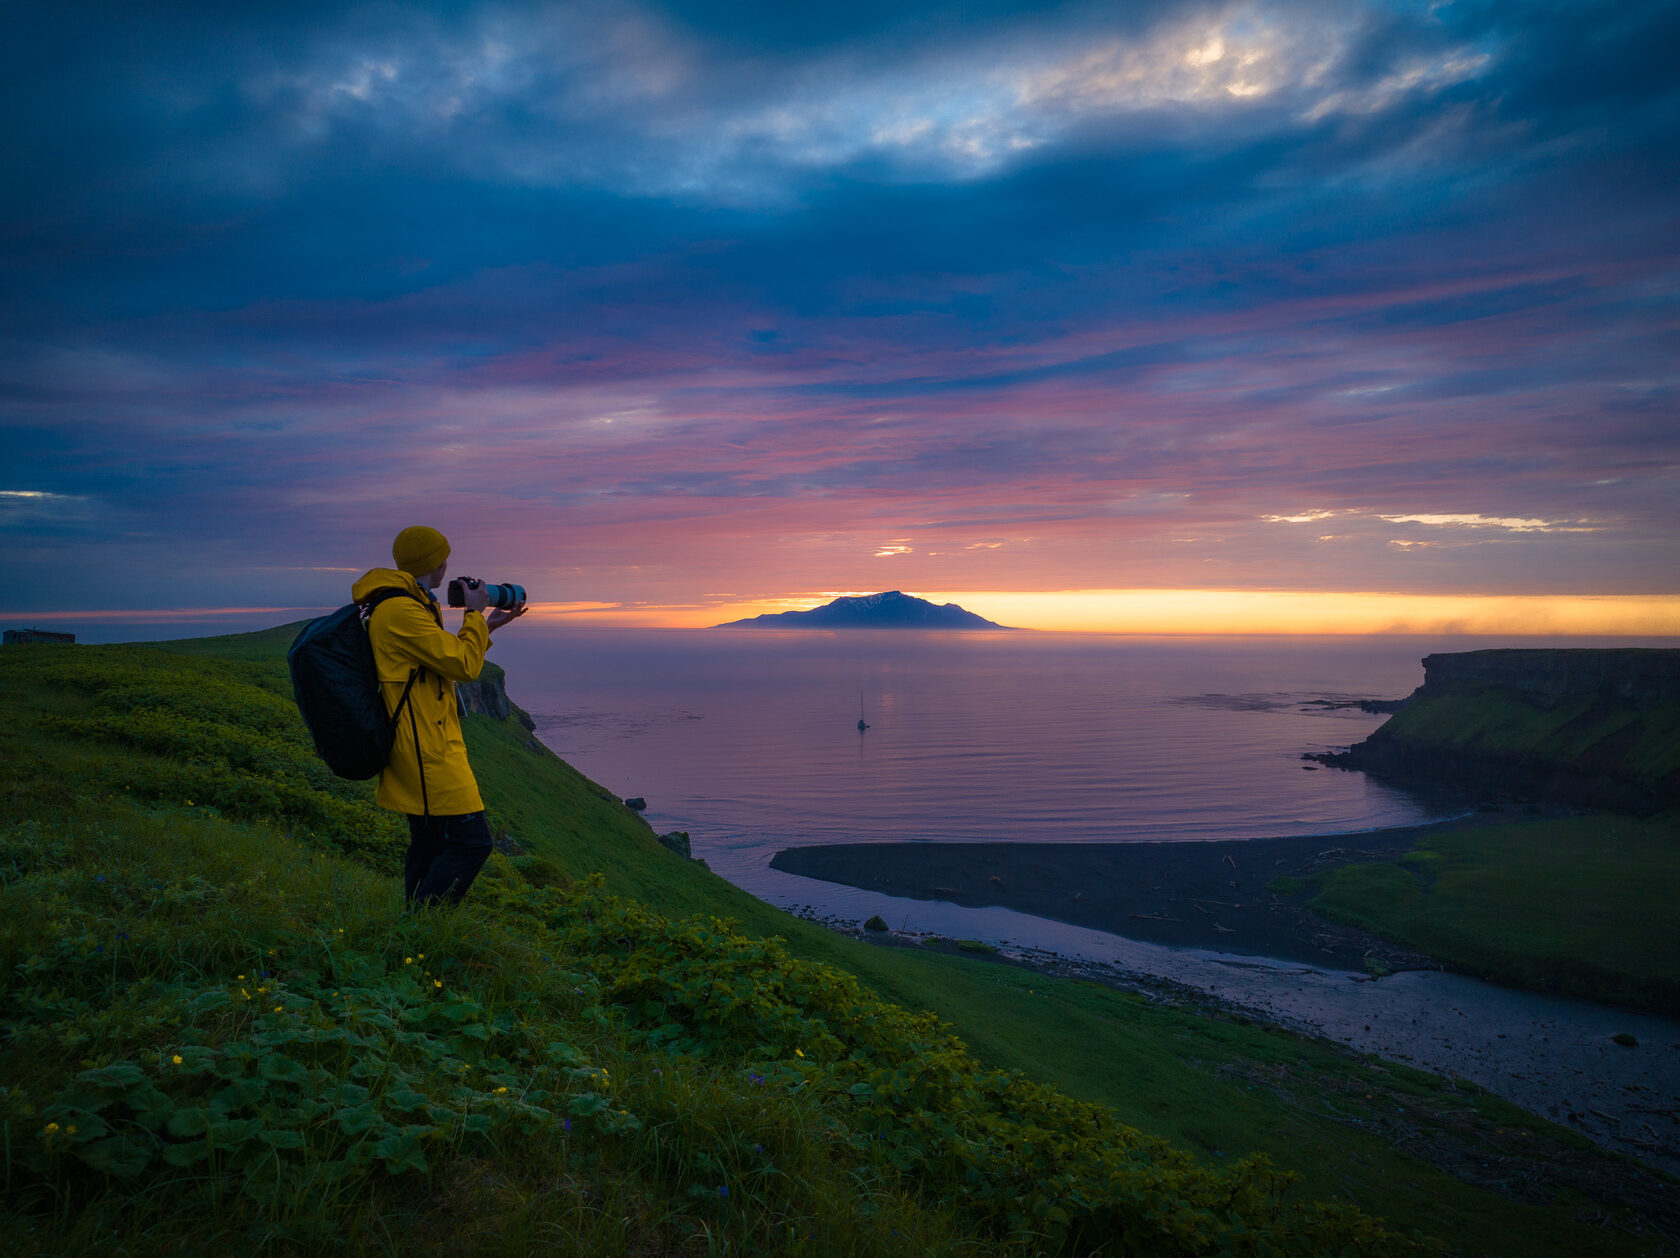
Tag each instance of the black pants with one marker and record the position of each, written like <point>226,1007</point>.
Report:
<point>444,856</point>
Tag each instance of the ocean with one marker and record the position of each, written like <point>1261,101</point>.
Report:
<point>748,739</point>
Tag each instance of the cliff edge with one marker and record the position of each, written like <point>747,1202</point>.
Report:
<point>1584,727</point>
<point>488,695</point>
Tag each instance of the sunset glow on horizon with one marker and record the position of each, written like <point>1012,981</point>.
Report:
<point>1234,612</point>
<point>1119,612</point>
<point>1219,612</point>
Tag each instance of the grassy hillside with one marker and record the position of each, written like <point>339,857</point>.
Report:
<point>1579,749</point>
<point>223,1031</point>
<point>1587,906</point>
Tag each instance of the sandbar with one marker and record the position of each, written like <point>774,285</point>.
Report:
<point>1222,895</point>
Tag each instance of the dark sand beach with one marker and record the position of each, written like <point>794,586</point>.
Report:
<point>1212,895</point>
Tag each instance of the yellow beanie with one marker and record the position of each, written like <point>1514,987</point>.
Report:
<point>418,549</point>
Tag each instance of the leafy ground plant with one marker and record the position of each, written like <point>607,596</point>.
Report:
<point>229,1054</point>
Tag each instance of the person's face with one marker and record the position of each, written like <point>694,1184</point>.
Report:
<point>434,578</point>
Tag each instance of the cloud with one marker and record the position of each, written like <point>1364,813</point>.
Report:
<point>1305,517</point>
<point>1514,525</point>
<point>37,510</point>
<point>1470,520</point>
<point>643,290</point>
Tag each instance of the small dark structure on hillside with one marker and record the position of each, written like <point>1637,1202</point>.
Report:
<point>37,635</point>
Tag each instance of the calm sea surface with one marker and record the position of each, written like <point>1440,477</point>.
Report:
<point>748,739</point>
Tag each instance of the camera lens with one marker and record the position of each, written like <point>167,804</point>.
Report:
<point>504,597</point>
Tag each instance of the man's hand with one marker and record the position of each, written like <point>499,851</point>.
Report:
<point>497,619</point>
<point>474,597</point>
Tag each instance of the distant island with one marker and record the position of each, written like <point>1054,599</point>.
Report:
<point>891,610</point>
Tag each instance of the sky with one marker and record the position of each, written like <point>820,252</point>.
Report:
<point>1153,316</point>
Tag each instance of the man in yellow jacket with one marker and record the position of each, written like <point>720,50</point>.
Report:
<point>428,776</point>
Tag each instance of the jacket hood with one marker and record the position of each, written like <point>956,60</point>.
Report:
<point>387,578</point>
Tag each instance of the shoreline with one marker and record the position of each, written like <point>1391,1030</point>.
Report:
<point>1205,894</point>
<point>1592,1068</point>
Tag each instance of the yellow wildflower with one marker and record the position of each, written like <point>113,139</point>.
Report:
<point>177,1059</point>
<point>501,1090</point>
<point>52,1129</point>
<point>437,982</point>
<point>799,1052</point>
<point>70,1130</point>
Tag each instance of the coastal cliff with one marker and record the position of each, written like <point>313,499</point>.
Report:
<point>1593,728</point>
<point>488,696</point>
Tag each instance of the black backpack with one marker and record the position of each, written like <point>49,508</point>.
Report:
<point>337,690</point>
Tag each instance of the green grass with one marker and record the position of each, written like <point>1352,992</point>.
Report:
<point>1585,736</point>
<point>264,1052</point>
<point>166,838</point>
<point>1587,906</point>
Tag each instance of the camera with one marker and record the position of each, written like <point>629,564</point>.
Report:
<point>506,597</point>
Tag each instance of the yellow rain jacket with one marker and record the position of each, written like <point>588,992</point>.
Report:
<point>428,772</point>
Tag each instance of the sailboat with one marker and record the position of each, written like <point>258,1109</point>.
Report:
<point>862,724</point>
